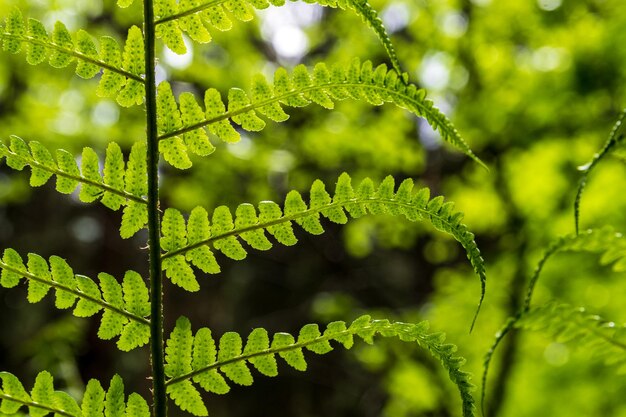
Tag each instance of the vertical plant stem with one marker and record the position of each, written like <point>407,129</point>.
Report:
<point>156,290</point>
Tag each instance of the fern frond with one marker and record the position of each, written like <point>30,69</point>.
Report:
<point>615,137</point>
<point>322,86</point>
<point>116,187</point>
<point>122,71</point>
<point>190,245</point>
<point>610,244</point>
<point>199,360</point>
<point>125,306</point>
<point>606,241</point>
<point>194,17</point>
<point>43,399</point>
<point>564,323</point>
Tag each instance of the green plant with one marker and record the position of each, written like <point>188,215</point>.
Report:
<point>132,309</point>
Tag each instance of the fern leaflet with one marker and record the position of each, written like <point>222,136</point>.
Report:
<point>122,71</point>
<point>125,306</point>
<point>190,245</point>
<point>198,359</point>
<point>615,137</point>
<point>195,16</point>
<point>322,86</point>
<point>117,186</point>
<point>43,399</point>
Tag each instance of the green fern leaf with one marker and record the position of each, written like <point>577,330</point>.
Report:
<point>230,347</point>
<point>135,215</point>
<point>322,86</point>
<point>192,24</point>
<point>35,52</point>
<point>223,224</point>
<point>117,188</point>
<point>42,393</point>
<point>113,175</point>
<point>60,58</point>
<point>18,152</point>
<point>63,401</point>
<point>136,406</point>
<point>178,358</point>
<point>136,180</point>
<point>10,278</point>
<point>90,168</point>
<point>261,91</point>
<point>294,204</point>
<point>93,400</point>
<point>606,241</point>
<point>137,302</point>
<point>173,149</point>
<point>124,3</point>
<point>15,27</point>
<point>295,357</point>
<point>133,62</point>
<point>173,229</point>
<point>197,140</point>
<point>191,16</point>
<point>14,395</point>
<point>67,163</point>
<point>198,231</point>
<point>246,217</point>
<point>231,360</point>
<point>178,349</point>
<point>87,47</point>
<point>205,354</point>
<point>309,333</point>
<point>44,400</point>
<point>283,232</point>
<point>169,31</point>
<point>85,307</point>
<point>136,297</point>
<point>615,138</point>
<point>224,235</point>
<point>214,109</point>
<point>61,49</point>
<point>111,81</point>
<point>178,270</point>
<point>114,405</point>
<point>124,311</point>
<point>134,219</point>
<point>187,397</point>
<point>337,331</point>
<point>258,341</point>
<point>238,99</point>
<point>63,274</point>
<point>112,324</point>
<point>37,266</point>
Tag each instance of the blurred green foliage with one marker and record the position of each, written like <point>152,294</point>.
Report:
<point>533,86</point>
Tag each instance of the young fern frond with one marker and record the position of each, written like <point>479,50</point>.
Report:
<point>121,71</point>
<point>184,126</point>
<point>185,245</point>
<point>615,138</point>
<point>563,323</point>
<point>117,186</point>
<point>125,306</point>
<point>194,17</point>
<point>43,399</point>
<point>610,244</point>
<point>200,360</point>
<point>606,241</point>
